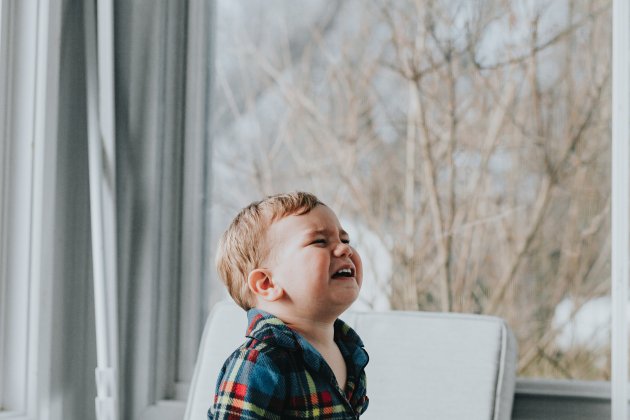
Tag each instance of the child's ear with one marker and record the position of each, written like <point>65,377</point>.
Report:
<point>261,284</point>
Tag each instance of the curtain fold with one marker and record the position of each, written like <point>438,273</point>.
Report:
<point>160,185</point>
<point>163,153</point>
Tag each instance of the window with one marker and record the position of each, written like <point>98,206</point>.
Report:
<point>26,86</point>
<point>467,143</point>
<point>15,223</point>
<point>3,258</point>
<point>47,325</point>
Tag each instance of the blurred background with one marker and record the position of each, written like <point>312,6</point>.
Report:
<point>465,145</point>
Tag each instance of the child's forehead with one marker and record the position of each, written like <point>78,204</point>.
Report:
<point>321,219</point>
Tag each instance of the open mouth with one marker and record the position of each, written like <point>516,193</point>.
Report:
<point>344,273</point>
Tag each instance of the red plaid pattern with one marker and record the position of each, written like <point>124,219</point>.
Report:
<point>277,374</point>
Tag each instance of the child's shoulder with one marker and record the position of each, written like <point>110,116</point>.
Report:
<point>257,351</point>
<point>257,362</point>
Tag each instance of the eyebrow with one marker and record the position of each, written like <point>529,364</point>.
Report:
<point>324,230</point>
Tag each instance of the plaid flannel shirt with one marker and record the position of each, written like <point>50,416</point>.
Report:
<point>277,374</point>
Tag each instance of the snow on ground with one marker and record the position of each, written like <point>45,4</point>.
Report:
<point>590,326</point>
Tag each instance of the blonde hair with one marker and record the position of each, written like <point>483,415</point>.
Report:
<point>241,248</point>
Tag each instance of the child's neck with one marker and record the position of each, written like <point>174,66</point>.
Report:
<point>318,330</point>
<point>318,333</point>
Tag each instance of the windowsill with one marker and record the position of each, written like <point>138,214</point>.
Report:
<point>599,390</point>
<point>14,415</point>
<point>165,410</point>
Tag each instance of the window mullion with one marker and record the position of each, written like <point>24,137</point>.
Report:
<point>620,207</point>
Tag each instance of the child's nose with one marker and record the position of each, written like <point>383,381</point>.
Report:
<point>343,250</point>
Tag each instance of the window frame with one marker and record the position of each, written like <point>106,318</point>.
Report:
<point>620,208</point>
<point>28,92</point>
<point>607,390</point>
<point>4,22</point>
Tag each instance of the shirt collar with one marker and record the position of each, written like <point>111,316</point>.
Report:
<point>268,328</point>
<point>264,326</point>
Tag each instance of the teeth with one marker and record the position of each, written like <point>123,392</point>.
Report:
<point>344,271</point>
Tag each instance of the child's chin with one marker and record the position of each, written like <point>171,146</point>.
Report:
<point>347,298</point>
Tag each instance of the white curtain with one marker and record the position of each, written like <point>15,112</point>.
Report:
<point>162,82</point>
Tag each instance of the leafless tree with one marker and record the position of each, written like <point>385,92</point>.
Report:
<point>472,137</point>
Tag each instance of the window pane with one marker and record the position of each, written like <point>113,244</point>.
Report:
<point>466,145</point>
<point>3,192</point>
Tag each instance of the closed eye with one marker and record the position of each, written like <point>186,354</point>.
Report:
<point>322,241</point>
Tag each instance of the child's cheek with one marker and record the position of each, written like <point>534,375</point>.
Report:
<point>358,265</point>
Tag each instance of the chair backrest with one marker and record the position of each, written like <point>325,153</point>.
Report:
<point>422,365</point>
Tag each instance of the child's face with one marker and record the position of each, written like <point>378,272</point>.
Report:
<point>311,259</point>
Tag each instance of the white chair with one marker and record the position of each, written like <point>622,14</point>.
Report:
<point>423,365</point>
